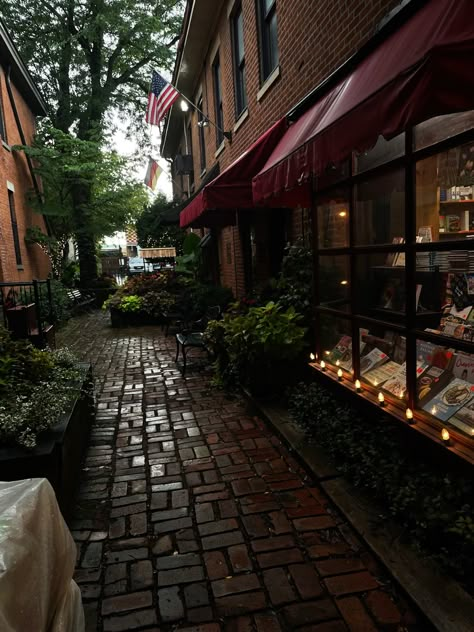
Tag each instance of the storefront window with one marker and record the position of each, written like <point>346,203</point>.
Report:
<point>380,210</point>
<point>440,128</point>
<point>380,282</point>
<point>333,220</point>
<point>382,152</point>
<point>335,334</point>
<point>382,360</point>
<point>445,195</point>
<point>334,281</point>
<point>445,385</point>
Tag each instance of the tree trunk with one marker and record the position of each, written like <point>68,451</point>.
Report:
<point>85,239</point>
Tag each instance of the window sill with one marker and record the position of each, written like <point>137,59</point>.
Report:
<point>219,150</point>
<point>20,267</point>
<point>243,117</point>
<point>6,146</point>
<point>269,81</point>
<point>203,173</point>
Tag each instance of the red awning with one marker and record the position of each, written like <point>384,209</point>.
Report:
<point>216,203</point>
<point>424,69</point>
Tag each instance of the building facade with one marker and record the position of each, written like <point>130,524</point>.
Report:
<point>20,103</point>
<point>376,155</point>
<point>245,64</point>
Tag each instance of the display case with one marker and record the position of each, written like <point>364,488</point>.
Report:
<point>394,276</point>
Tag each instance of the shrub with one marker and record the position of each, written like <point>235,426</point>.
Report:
<point>257,348</point>
<point>130,304</point>
<point>60,310</point>
<point>35,389</point>
<point>433,504</point>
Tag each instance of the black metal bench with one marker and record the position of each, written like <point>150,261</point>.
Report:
<point>80,300</point>
<point>194,338</point>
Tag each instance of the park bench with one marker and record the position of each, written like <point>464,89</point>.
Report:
<point>193,338</point>
<point>80,300</point>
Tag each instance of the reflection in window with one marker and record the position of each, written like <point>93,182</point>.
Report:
<point>333,221</point>
<point>380,210</point>
<point>334,276</point>
<point>441,127</point>
<point>380,286</point>
<point>382,152</point>
<point>268,37</point>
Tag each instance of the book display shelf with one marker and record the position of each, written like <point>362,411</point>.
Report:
<point>394,276</point>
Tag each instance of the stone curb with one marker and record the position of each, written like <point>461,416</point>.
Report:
<point>442,600</point>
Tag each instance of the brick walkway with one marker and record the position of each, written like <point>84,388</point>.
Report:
<point>193,516</point>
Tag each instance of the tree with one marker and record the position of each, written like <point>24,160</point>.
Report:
<point>64,163</point>
<point>154,229</point>
<point>91,58</point>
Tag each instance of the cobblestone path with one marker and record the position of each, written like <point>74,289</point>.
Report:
<point>194,516</point>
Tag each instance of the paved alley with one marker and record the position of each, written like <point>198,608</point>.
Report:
<point>194,516</point>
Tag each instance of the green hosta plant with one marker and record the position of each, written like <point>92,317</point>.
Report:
<point>259,347</point>
<point>131,304</point>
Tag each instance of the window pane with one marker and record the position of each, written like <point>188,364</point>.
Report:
<point>333,220</point>
<point>334,281</point>
<point>382,360</point>
<point>381,287</point>
<point>445,195</point>
<point>267,5</point>
<point>272,44</point>
<point>382,152</point>
<point>380,209</point>
<point>336,347</point>
<point>445,386</point>
<point>333,174</point>
<point>441,127</point>
<point>239,36</point>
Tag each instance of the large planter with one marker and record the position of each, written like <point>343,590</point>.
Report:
<point>59,451</point>
<point>133,319</point>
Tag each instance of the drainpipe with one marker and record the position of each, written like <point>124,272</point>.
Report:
<point>23,142</point>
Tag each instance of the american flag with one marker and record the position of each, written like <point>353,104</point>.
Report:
<point>161,97</point>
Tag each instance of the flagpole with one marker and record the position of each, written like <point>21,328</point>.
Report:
<point>227,135</point>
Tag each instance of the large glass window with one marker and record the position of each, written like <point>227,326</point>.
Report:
<point>267,19</point>
<point>237,26</point>
<point>445,195</point>
<point>333,220</point>
<point>380,209</point>
<point>380,282</point>
<point>334,281</point>
<point>216,73</point>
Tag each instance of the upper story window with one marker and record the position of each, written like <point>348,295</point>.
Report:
<point>202,140</point>
<point>267,23</point>
<point>16,237</point>
<point>216,75</point>
<point>190,150</point>
<point>237,25</point>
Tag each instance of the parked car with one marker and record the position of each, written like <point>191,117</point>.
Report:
<point>136,265</point>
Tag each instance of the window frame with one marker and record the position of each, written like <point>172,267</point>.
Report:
<point>239,68</point>
<point>408,325</point>
<point>268,49</point>
<point>14,224</point>
<point>218,99</point>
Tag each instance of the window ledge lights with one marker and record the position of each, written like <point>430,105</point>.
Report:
<point>220,149</point>
<point>420,423</point>
<point>243,117</point>
<point>269,81</point>
<point>6,146</point>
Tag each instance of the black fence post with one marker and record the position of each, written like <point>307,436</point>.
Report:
<point>38,312</point>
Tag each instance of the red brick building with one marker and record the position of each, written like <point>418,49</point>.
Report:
<point>375,153</point>
<point>284,50</point>
<point>20,102</point>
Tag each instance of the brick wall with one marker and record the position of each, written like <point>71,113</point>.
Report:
<point>314,38</point>
<point>14,169</point>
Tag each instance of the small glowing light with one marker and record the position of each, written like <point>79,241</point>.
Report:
<point>327,352</point>
<point>323,365</point>
<point>312,357</point>
<point>376,383</point>
<point>344,282</point>
<point>445,436</point>
<point>381,399</point>
<point>339,375</point>
<point>343,214</point>
<point>358,386</point>
<point>409,414</point>
<point>338,362</point>
<point>184,106</point>
<point>434,410</point>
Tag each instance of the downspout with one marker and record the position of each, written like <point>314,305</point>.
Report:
<point>23,142</point>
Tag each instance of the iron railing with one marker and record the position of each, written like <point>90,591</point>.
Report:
<point>23,293</point>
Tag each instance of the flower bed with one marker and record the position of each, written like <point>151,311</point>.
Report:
<point>46,409</point>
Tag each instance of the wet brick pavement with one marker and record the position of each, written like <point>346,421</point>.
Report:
<point>193,516</point>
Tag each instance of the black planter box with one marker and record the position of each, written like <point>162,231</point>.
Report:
<point>59,452</point>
